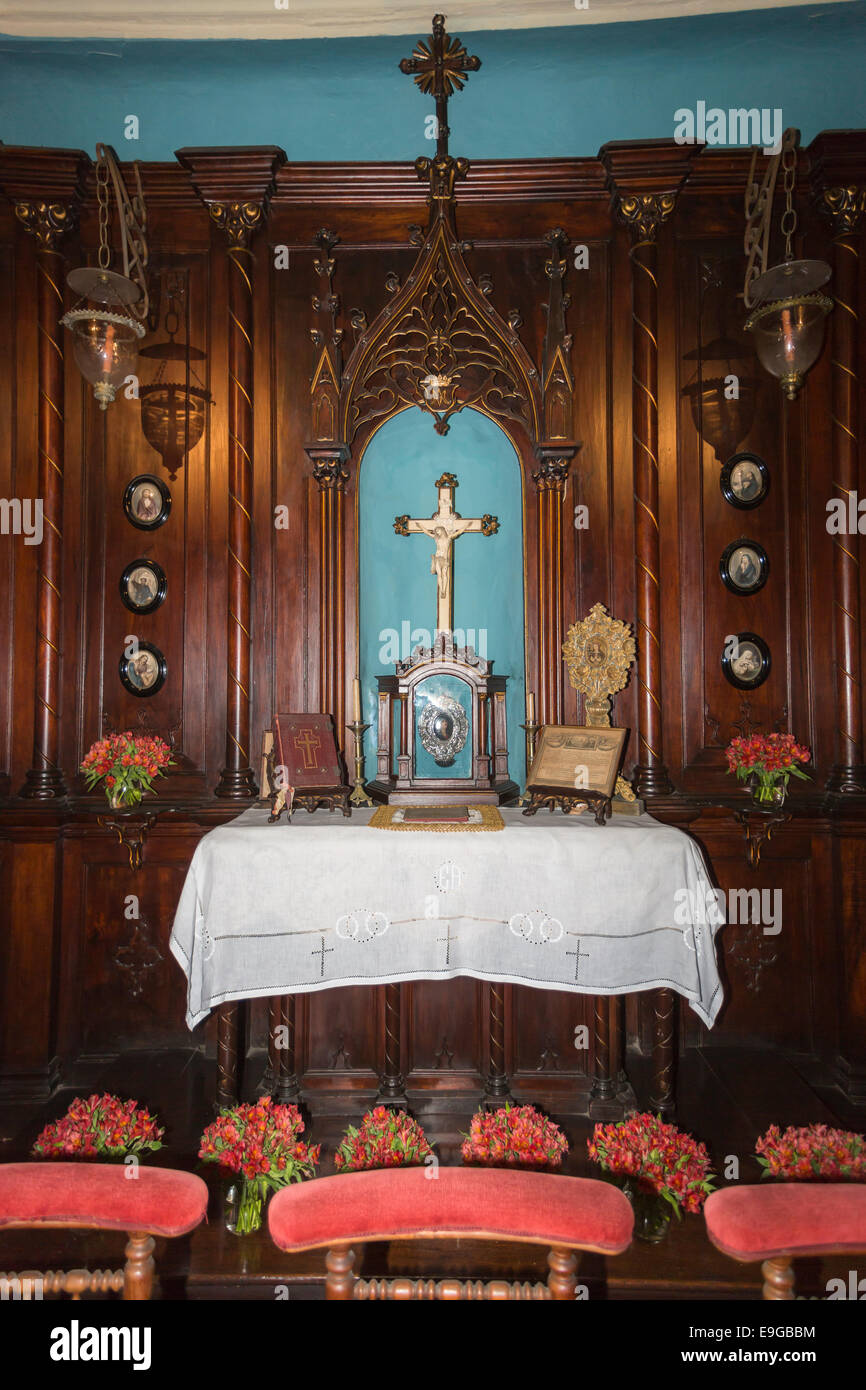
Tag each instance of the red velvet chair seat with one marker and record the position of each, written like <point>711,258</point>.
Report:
<point>795,1218</point>
<point>404,1203</point>
<point>160,1201</point>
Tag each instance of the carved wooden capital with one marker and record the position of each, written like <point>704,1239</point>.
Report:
<point>329,468</point>
<point>552,474</point>
<point>48,222</point>
<point>238,220</point>
<point>843,206</point>
<point>644,213</point>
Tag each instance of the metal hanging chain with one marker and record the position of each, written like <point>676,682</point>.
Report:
<point>132,216</point>
<point>789,216</point>
<point>759,209</point>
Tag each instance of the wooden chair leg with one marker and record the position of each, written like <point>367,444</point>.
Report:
<point>562,1279</point>
<point>778,1278</point>
<point>138,1270</point>
<point>340,1280</point>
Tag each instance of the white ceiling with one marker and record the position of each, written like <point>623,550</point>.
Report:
<point>308,19</point>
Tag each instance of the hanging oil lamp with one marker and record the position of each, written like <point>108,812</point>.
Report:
<point>788,310</point>
<point>106,331</point>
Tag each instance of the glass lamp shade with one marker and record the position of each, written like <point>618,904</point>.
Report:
<point>788,336</point>
<point>105,347</point>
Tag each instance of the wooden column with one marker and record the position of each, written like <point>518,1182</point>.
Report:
<point>496,1090</point>
<point>239,221</point>
<point>392,1087</point>
<point>644,182</point>
<point>331,475</point>
<point>281,1050</point>
<point>49,222</point>
<point>550,482</point>
<point>845,207</point>
<point>236,185</point>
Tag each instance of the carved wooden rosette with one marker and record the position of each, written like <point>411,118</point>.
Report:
<point>550,481</point>
<point>644,214</point>
<point>239,221</point>
<point>845,208</point>
<point>49,222</point>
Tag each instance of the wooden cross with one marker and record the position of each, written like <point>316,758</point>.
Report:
<point>308,742</point>
<point>440,66</point>
<point>443,527</point>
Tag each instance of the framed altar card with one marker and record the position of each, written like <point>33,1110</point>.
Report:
<point>576,758</point>
<point>304,744</point>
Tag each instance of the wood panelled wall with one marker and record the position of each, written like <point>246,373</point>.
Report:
<point>248,603</point>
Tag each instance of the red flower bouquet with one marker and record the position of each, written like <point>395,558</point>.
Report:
<point>128,762</point>
<point>98,1126</point>
<point>260,1143</point>
<point>386,1139</point>
<point>813,1153</point>
<point>517,1136</point>
<point>657,1157</point>
<point>769,760</point>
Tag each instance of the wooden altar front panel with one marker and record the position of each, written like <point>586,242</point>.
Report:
<point>505,209</point>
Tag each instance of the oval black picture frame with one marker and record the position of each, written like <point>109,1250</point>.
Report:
<point>744,504</point>
<point>150,523</point>
<point>752,682</point>
<point>762,571</point>
<point>161,585</point>
<point>126,679</point>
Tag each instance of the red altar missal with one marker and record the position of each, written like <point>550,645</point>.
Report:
<point>304,744</point>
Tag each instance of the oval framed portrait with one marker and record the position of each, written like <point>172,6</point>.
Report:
<point>143,585</point>
<point>746,661</point>
<point>744,566</point>
<point>745,481</point>
<point>147,502</point>
<point>143,674</point>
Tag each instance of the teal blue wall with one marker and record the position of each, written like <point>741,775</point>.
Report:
<point>398,473</point>
<point>540,91</point>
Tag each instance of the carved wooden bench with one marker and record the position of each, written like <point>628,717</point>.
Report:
<point>403,1204</point>
<point>98,1196</point>
<point>777,1222</point>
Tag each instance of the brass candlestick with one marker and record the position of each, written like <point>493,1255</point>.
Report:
<point>358,796</point>
<point>531,731</point>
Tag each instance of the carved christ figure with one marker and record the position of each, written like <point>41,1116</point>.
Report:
<point>443,528</point>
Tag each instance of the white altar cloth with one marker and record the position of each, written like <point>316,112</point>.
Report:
<point>550,901</point>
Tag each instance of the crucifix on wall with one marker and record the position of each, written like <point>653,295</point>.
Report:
<point>443,527</point>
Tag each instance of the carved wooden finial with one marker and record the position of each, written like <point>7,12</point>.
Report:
<point>440,66</point>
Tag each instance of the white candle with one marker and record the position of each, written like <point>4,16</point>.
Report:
<point>530,707</point>
<point>356,700</point>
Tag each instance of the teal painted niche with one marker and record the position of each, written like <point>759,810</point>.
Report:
<point>397,591</point>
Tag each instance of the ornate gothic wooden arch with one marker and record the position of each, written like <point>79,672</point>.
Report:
<point>442,346</point>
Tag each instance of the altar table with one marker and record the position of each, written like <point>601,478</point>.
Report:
<point>552,902</point>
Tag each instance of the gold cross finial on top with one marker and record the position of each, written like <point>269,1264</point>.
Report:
<point>440,65</point>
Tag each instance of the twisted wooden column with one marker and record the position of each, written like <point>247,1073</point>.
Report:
<point>644,214</point>
<point>496,1090</point>
<point>227,1054</point>
<point>239,221</point>
<point>845,208</point>
<point>48,222</point>
<point>331,476</point>
<point>281,1051</point>
<point>392,1087</point>
<point>663,1095</point>
<point>550,481</point>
